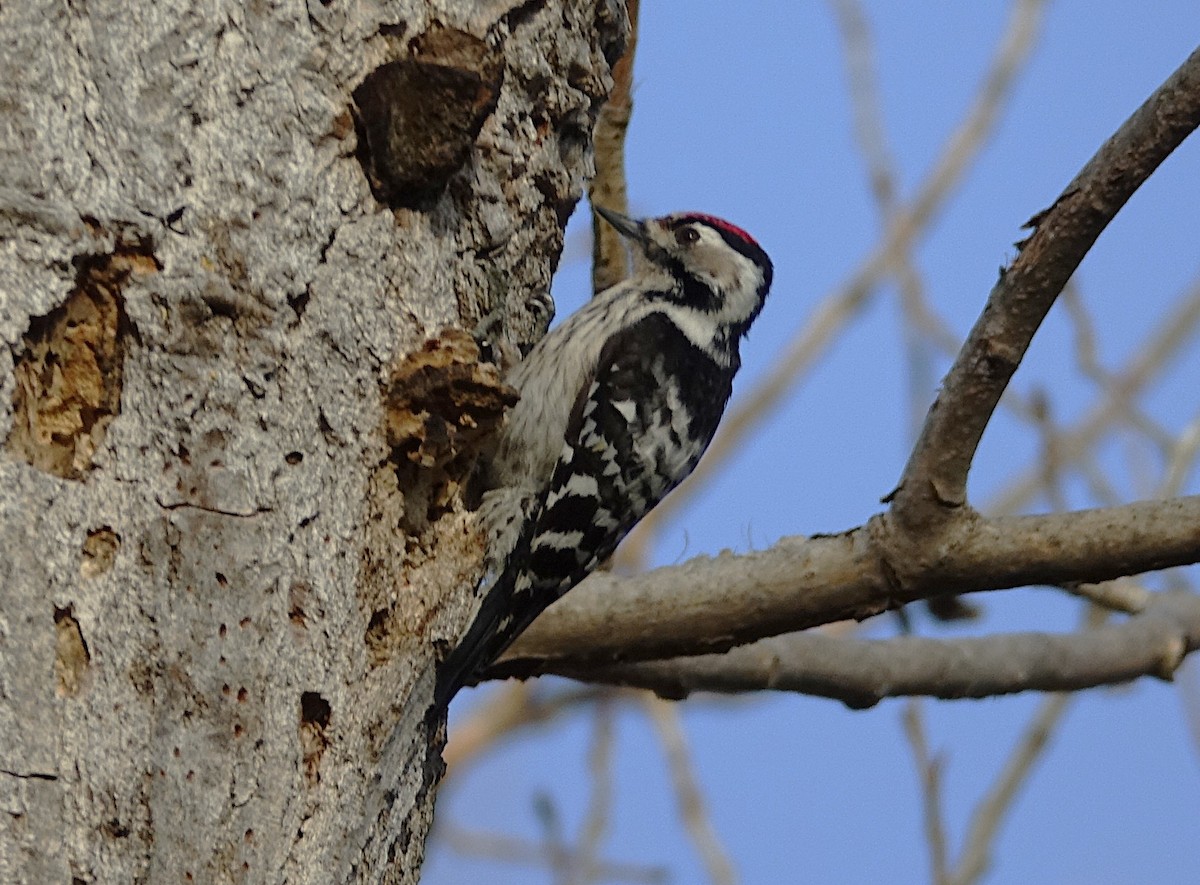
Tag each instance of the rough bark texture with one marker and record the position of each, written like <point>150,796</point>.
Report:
<point>234,426</point>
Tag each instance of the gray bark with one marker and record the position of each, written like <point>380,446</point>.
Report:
<point>231,525</point>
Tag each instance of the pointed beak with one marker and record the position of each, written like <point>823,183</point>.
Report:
<point>626,227</point>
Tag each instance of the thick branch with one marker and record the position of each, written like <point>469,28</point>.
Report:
<point>861,672</point>
<point>935,477</point>
<point>712,604</point>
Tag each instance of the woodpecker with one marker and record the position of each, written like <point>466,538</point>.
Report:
<point>617,405</point>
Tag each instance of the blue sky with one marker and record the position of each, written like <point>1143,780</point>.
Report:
<point>742,110</point>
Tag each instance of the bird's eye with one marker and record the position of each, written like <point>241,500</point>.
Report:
<point>685,236</point>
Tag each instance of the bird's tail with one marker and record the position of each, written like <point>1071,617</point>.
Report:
<point>485,641</point>
<point>515,598</point>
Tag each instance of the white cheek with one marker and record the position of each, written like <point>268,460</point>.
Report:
<point>738,279</point>
<point>700,328</point>
<point>743,297</point>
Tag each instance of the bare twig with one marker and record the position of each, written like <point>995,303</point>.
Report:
<point>508,849</point>
<point>1149,358</point>
<point>1087,358</point>
<point>1051,458</point>
<point>1189,691</point>
<point>929,769</point>
<point>595,822</point>
<point>1122,595</point>
<point>934,482</point>
<point>1181,459</point>
<point>864,100</point>
<point>869,130</point>
<point>861,672</point>
<point>515,707</point>
<point>986,820</point>
<point>691,801</point>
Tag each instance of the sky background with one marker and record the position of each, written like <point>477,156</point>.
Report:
<point>742,110</point>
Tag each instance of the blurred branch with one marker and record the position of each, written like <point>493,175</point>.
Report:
<point>1182,458</point>
<point>929,769</point>
<point>864,101</point>
<point>1051,458</point>
<point>595,822</point>
<point>507,849</point>
<point>1189,690</point>
<point>839,307</point>
<point>933,486</point>
<point>610,261</point>
<point>1087,358</point>
<point>1149,359</point>
<point>691,801</point>
<point>986,820</point>
<point>918,319</point>
<point>515,707</point>
<point>559,858</point>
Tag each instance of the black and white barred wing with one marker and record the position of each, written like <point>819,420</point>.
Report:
<point>637,430</point>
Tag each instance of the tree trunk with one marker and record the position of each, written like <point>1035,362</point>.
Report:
<point>237,419</point>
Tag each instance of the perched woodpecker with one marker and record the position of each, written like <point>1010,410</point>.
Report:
<point>617,405</point>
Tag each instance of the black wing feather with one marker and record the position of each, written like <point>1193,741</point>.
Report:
<point>635,432</point>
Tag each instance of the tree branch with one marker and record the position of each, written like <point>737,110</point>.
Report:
<point>712,604</point>
<point>935,478</point>
<point>861,672</point>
